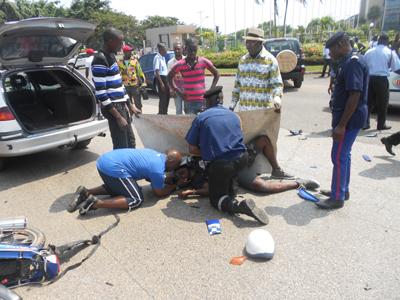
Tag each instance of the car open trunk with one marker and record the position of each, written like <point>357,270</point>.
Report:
<point>48,98</point>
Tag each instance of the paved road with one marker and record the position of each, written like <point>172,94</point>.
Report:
<point>163,250</point>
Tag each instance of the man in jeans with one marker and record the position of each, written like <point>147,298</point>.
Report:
<point>132,76</point>
<point>161,72</point>
<point>111,93</point>
<point>217,137</point>
<point>192,69</point>
<point>178,77</point>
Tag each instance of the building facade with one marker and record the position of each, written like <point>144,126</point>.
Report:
<point>169,35</point>
<point>391,15</point>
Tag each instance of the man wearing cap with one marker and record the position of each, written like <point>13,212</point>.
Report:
<point>88,63</point>
<point>380,60</point>
<point>192,69</point>
<point>132,76</point>
<point>258,85</point>
<point>110,92</point>
<point>349,112</point>
<point>216,135</point>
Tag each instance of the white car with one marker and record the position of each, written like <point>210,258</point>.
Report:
<point>43,103</point>
<point>394,87</point>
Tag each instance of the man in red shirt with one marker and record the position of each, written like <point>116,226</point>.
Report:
<point>192,68</point>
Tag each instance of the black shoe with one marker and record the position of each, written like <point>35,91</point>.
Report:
<point>330,204</point>
<point>81,195</point>
<point>366,127</point>
<point>309,184</point>
<point>388,146</point>
<point>280,174</point>
<point>249,208</point>
<point>328,194</point>
<point>384,127</point>
<point>88,205</point>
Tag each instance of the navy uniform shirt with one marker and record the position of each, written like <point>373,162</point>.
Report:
<point>352,76</point>
<point>218,134</point>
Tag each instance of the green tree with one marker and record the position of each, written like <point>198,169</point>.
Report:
<point>83,9</point>
<point>159,21</point>
<point>8,11</point>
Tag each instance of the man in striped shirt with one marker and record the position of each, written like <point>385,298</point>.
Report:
<point>258,85</point>
<point>110,92</point>
<point>192,68</point>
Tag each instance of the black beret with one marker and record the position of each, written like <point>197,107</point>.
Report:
<point>213,91</point>
<point>336,38</point>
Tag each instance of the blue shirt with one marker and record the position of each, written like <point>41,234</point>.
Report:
<point>352,76</point>
<point>160,64</point>
<point>107,79</point>
<point>134,163</point>
<point>218,134</point>
<point>380,60</point>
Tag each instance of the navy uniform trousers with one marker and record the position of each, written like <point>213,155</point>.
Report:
<point>341,159</point>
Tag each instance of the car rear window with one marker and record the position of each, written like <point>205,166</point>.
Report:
<point>279,45</point>
<point>44,46</point>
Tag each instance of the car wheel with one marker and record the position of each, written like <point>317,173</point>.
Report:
<point>82,144</point>
<point>297,83</point>
<point>155,87</point>
<point>2,163</point>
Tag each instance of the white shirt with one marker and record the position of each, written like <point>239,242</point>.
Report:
<point>381,60</point>
<point>373,44</point>
<point>160,64</point>
<point>88,65</point>
<point>326,53</point>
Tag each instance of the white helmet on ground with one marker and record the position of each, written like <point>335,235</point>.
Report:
<point>260,244</point>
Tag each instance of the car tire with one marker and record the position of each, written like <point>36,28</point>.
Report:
<point>297,83</point>
<point>82,144</point>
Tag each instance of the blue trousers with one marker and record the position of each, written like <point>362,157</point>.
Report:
<point>341,159</point>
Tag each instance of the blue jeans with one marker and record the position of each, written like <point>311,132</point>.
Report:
<point>193,107</point>
<point>341,159</point>
<point>178,104</point>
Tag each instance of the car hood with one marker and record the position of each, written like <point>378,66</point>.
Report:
<point>42,41</point>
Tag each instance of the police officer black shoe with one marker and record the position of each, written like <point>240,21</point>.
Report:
<point>384,127</point>
<point>328,193</point>
<point>81,195</point>
<point>88,205</point>
<point>388,146</point>
<point>330,204</point>
<point>248,207</point>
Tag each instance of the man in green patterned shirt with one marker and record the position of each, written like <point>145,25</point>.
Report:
<point>259,85</point>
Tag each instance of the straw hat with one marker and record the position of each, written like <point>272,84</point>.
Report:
<point>255,34</point>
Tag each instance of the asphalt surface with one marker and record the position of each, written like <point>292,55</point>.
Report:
<point>163,250</point>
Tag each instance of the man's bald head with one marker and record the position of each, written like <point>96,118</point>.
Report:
<point>174,158</point>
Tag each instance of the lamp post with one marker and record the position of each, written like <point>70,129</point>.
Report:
<point>201,26</point>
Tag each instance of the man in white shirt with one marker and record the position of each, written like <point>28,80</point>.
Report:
<point>161,72</point>
<point>178,77</point>
<point>327,62</point>
<point>380,61</point>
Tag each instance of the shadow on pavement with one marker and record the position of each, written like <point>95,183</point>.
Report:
<point>381,171</point>
<point>25,169</point>
<point>299,214</point>
<point>200,210</point>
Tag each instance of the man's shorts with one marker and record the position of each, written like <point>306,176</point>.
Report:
<point>126,187</point>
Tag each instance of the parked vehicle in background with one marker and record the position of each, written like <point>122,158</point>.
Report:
<point>394,87</point>
<point>290,57</point>
<point>78,61</point>
<point>43,103</point>
<point>146,62</point>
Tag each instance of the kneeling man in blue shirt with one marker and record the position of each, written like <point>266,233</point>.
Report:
<point>216,135</point>
<point>119,170</point>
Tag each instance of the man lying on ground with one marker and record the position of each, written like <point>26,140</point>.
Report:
<point>196,184</point>
<point>119,170</point>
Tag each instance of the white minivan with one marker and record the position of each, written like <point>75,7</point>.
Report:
<point>44,104</point>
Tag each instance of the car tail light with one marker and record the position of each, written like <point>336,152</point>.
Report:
<point>6,114</point>
<point>302,56</point>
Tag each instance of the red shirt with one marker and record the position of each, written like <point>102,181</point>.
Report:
<point>194,85</point>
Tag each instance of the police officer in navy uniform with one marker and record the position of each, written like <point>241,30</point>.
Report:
<point>349,113</point>
<point>217,137</point>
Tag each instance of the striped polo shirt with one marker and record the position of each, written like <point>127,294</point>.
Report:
<point>107,79</point>
<point>194,85</point>
<point>258,81</point>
